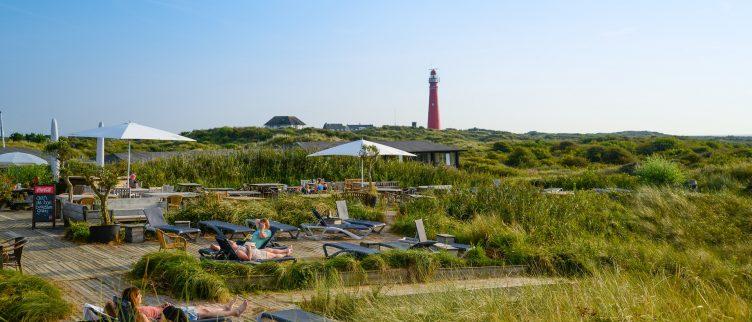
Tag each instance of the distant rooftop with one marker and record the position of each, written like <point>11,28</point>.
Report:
<point>284,121</point>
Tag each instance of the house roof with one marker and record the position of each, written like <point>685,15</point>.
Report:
<point>408,146</point>
<point>284,120</point>
<point>38,153</point>
<point>335,126</point>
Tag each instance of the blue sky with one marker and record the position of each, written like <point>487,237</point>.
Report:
<point>680,67</point>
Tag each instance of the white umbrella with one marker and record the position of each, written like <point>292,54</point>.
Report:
<point>20,158</point>
<point>130,131</point>
<point>355,148</point>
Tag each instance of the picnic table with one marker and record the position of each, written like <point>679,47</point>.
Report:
<point>219,189</point>
<point>436,187</point>
<point>243,198</point>
<point>239,193</point>
<point>189,187</point>
<point>164,195</point>
<point>388,190</point>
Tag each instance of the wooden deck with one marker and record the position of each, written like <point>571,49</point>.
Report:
<point>92,273</point>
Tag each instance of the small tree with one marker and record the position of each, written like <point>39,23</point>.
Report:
<point>102,180</point>
<point>369,154</point>
<point>65,154</point>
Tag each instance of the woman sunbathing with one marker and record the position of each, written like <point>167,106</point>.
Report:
<point>248,251</point>
<point>132,295</point>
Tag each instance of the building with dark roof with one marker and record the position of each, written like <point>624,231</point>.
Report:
<point>425,151</point>
<point>358,127</point>
<point>280,122</point>
<point>335,127</point>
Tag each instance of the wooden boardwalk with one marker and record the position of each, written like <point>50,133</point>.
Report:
<point>92,273</point>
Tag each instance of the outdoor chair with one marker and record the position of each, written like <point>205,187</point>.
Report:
<point>171,241</point>
<point>266,243</point>
<point>225,227</point>
<point>276,226</point>
<point>156,220</point>
<point>347,248</point>
<point>343,214</point>
<point>421,242</point>
<point>11,251</point>
<point>226,253</point>
<point>174,202</point>
<point>121,192</point>
<point>327,228</point>
<point>88,202</point>
<point>291,315</point>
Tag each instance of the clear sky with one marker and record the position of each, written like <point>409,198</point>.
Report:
<point>680,67</point>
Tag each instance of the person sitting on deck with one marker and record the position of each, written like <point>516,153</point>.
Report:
<point>132,296</point>
<point>251,249</point>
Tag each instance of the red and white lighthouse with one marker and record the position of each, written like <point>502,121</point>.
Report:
<point>433,101</point>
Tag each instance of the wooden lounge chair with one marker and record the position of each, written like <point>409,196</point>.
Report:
<point>125,313</point>
<point>174,202</point>
<point>343,214</point>
<point>11,251</point>
<point>171,241</point>
<point>327,228</point>
<point>88,202</point>
<point>291,315</point>
<point>347,248</point>
<point>155,217</point>
<point>266,243</point>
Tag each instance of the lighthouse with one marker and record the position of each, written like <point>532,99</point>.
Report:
<point>433,101</point>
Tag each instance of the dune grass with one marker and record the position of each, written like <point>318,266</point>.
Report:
<point>30,298</point>
<point>600,297</point>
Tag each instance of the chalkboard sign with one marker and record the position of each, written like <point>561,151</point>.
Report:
<point>44,205</point>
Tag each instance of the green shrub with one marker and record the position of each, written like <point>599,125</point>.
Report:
<point>501,146</point>
<point>521,157</point>
<point>659,145</point>
<point>660,171</point>
<point>573,161</point>
<point>77,231</point>
<point>609,154</point>
<point>30,298</point>
<point>181,275</point>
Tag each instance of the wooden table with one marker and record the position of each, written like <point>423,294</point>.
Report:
<point>390,190</point>
<point>167,194</point>
<point>238,193</point>
<point>189,187</point>
<point>219,189</point>
<point>436,187</point>
<point>243,198</point>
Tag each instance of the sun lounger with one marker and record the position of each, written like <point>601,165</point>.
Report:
<point>421,242</point>
<point>347,248</point>
<point>126,313</point>
<point>326,228</point>
<point>276,226</point>
<point>343,214</point>
<point>267,243</point>
<point>156,220</point>
<point>226,253</point>
<point>226,227</point>
<point>291,315</point>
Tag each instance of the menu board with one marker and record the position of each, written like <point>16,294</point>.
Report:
<point>43,205</point>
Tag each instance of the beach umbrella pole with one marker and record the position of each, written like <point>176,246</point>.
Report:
<point>128,175</point>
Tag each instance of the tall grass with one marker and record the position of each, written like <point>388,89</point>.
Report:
<point>289,166</point>
<point>30,298</point>
<point>180,274</point>
<point>601,297</point>
<point>653,230</point>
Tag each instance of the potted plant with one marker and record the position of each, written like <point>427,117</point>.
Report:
<point>65,154</point>
<point>102,180</point>
<point>369,154</point>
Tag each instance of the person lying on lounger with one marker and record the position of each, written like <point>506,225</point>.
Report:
<point>132,295</point>
<point>248,251</point>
